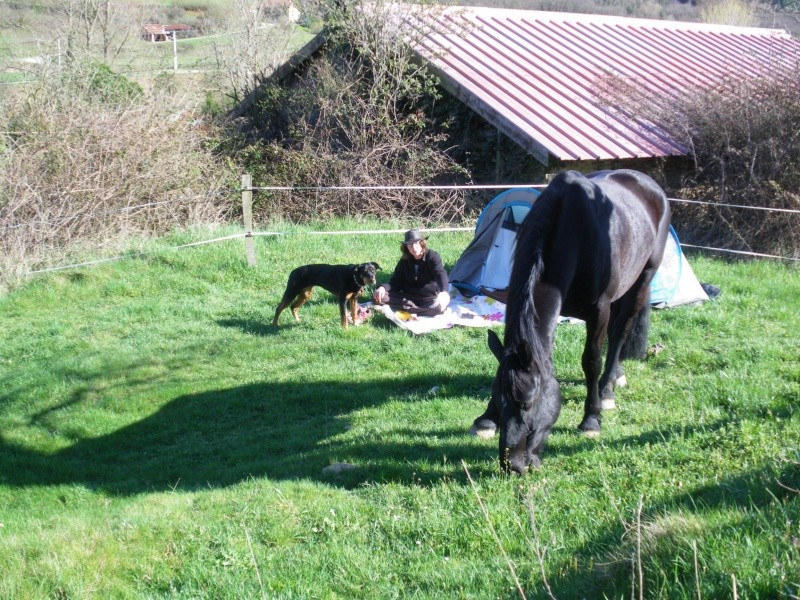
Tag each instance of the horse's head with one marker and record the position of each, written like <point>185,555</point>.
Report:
<point>528,399</point>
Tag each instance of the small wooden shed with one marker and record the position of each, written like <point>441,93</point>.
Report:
<point>155,32</point>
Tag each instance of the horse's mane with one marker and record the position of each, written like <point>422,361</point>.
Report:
<point>534,235</point>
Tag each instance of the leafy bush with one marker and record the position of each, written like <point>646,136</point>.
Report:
<point>101,83</point>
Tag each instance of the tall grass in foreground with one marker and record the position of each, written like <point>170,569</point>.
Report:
<point>160,439</point>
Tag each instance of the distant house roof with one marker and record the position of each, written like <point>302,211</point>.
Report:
<point>534,75</point>
<point>154,30</point>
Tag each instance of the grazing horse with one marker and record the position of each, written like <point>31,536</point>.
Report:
<point>588,249</point>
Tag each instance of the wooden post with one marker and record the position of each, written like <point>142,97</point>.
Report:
<point>247,215</point>
<point>175,51</point>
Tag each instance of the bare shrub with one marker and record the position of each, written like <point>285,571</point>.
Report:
<point>96,27</point>
<point>730,12</point>
<point>354,117</point>
<point>87,158</point>
<point>743,138</point>
<point>257,46</point>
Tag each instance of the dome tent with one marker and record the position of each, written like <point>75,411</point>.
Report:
<point>485,264</point>
<point>675,282</point>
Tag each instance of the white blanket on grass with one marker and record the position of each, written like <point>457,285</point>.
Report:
<point>477,311</point>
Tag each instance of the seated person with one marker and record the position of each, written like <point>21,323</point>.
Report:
<point>419,283</point>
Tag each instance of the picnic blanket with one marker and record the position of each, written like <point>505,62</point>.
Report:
<point>474,311</point>
<point>477,311</point>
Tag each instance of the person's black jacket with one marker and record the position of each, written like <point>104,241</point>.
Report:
<point>420,279</point>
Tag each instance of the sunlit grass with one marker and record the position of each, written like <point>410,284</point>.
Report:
<point>159,438</point>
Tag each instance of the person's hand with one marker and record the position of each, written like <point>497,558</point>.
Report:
<point>442,299</point>
<point>379,294</point>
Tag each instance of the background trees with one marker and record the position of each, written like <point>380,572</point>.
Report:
<point>358,114</point>
<point>104,124</point>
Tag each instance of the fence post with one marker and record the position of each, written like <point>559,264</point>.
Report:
<point>247,215</point>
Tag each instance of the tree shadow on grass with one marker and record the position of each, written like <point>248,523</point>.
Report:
<point>292,430</point>
<point>282,431</point>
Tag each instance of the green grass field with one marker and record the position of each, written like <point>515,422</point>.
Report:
<point>160,439</point>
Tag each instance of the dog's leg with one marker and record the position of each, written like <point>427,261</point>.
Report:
<point>301,299</point>
<point>344,301</point>
<point>279,310</point>
<point>354,307</point>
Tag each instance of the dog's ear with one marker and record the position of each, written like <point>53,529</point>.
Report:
<point>377,266</point>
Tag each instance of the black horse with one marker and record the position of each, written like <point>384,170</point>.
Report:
<point>588,249</point>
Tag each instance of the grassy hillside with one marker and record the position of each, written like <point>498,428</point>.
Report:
<point>159,438</point>
<point>36,31</point>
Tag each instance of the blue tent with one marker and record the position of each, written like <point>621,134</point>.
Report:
<point>485,264</point>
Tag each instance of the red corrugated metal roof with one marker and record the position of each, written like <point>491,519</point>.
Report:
<point>158,29</point>
<point>535,75</point>
<point>153,29</point>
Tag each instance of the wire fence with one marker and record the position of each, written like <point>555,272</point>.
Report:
<point>301,189</point>
<point>249,233</point>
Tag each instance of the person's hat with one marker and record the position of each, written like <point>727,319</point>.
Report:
<point>413,236</point>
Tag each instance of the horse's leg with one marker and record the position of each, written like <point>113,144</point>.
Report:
<point>627,310</point>
<point>485,426</point>
<point>592,362</point>
<point>635,344</point>
<point>613,374</point>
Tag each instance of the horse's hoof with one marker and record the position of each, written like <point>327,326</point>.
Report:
<point>590,426</point>
<point>608,404</point>
<point>483,432</point>
<point>621,382</point>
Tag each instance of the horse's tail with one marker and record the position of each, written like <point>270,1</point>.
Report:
<point>635,346</point>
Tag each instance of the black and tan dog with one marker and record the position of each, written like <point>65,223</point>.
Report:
<point>343,281</point>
